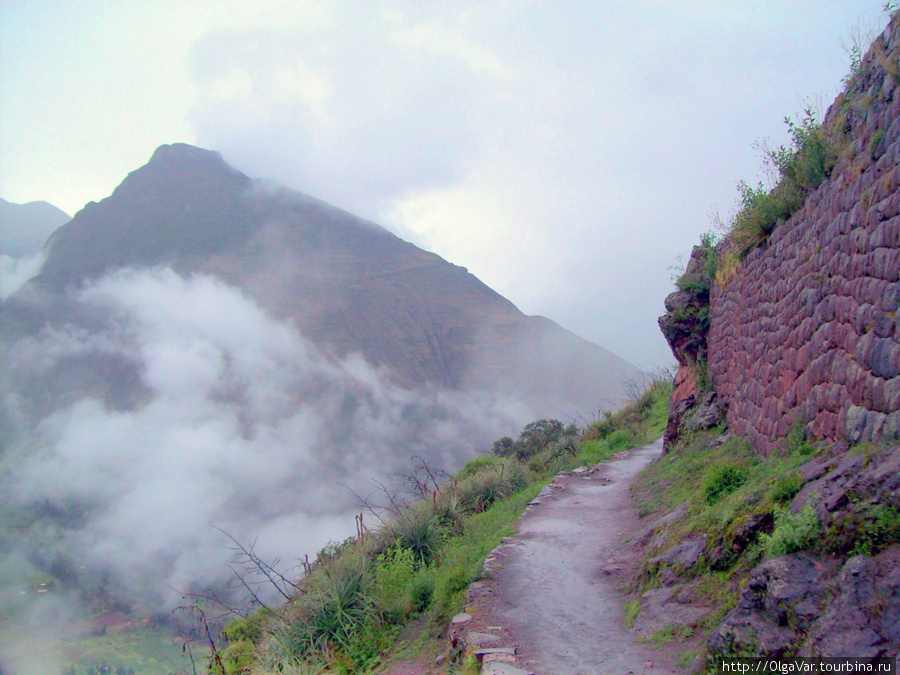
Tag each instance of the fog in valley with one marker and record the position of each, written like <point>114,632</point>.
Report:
<point>230,422</point>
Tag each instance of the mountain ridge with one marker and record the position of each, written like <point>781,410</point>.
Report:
<point>25,227</point>
<point>349,284</point>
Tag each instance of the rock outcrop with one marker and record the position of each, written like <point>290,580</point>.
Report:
<point>807,606</point>
<point>685,326</point>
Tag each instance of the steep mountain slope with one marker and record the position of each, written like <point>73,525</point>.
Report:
<point>350,285</point>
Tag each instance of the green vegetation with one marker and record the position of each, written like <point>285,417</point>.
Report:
<point>721,481</point>
<point>793,532</point>
<point>631,609</point>
<point>700,285</point>
<point>722,490</point>
<point>668,634</point>
<point>144,651</point>
<point>413,572</point>
<point>866,529</point>
<point>737,489</point>
<point>798,168</point>
<point>718,487</point>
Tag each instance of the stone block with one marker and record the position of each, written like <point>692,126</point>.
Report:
<point>883,357</point>
<point>890,300</point>
<point>855,421</point>
<point>892,394</point>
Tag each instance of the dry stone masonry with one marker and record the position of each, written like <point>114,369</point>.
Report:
<point>808,329</point>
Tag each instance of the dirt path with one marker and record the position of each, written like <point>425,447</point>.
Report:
<point>554,592</point>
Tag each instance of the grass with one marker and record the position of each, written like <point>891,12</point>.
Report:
<point>793,532</point>
<point>147,651</point>
<point>392,592</point>
<point>631,609</point>
<point>797,170</point>
<point>739,501</point>
<point>661,638</point>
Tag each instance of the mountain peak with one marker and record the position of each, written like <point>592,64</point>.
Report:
<point>183,152</point>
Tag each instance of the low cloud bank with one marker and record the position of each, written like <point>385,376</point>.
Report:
<point>243,426</point>
<point>14,272</point>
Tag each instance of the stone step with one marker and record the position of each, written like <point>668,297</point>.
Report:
<point>481,653</point>
<point>498,668</point>
<point>479,640</point>
<point>460,618</point>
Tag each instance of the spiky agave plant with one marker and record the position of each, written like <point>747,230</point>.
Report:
<point>417,528</point>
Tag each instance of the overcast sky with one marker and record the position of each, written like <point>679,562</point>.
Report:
<point>566,153</point>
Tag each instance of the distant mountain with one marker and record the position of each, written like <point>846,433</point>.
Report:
<point>203,349</point>
<point>25,227</point>
<point>348,284</point>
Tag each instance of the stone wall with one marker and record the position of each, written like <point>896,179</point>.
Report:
<point>808,328</point>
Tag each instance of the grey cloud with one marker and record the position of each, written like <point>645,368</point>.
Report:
<point>248,428</point>
<point>345,114</point>
<point>605,134</point>
<point>14,272</point>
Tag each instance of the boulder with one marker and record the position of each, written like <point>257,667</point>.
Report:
<point>669,606</point>
<point>782,598</point>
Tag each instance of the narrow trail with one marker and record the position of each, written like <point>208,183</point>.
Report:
<point>554,591</point>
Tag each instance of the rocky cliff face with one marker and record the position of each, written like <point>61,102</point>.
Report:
<point>686,326</point>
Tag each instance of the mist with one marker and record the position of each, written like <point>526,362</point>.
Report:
<point>14,272</point>
<point>237,424</point>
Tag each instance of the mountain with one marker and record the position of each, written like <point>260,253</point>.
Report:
<point>205,353</point>
<point>348,284</point>
<point>25,227</point>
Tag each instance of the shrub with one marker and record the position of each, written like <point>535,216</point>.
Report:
<point>276,660</point>
<point>394,572</point>
<point>866,529</point>
<point>450,511</point>
<point>793,532</point>
<point>879,528</point>
<point>479,491</point>
<point>812,155</point>
<point>534,438</point>
<point>621,439</point>
<point>421,592</point>
<point>721,481</point>
<point>798,168</point>
<point>594,452</point>
<point>337,606</point>
<point>700,284</point>
<point>417,529</point>
<point>484,461</point>
<point>787,487</point>
<point>325,621</point>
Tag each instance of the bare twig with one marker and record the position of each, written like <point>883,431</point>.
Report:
<point>195,610</point>
<point>365,501</point>
<point>276,579</point>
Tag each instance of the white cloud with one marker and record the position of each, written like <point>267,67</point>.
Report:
<point>14,272</point>
<point>248,428</point>
<point>597,136</point>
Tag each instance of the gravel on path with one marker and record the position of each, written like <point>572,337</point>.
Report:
<point>554,591</point>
